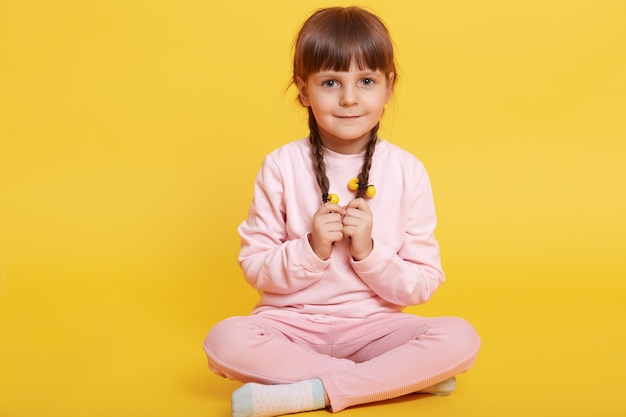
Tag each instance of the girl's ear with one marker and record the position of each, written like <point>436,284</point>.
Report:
<point>390,79</point>
<point>303,94</point>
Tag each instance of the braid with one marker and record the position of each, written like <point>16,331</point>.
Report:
<point>317,151</point>
<point>318,156</point>
<point>367,162</point>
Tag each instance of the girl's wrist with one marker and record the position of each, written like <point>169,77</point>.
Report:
<point>362,254</point>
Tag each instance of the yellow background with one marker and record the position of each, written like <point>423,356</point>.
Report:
<point>130,134</point>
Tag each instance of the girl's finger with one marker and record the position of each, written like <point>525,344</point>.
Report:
<point>359,203</point>
<point>331,208</point>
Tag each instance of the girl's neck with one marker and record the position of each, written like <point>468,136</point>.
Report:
<point>346,147</point>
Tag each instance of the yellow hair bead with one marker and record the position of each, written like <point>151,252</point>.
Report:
<point>370,190</point>
<point>333,198</point>
<point>353,184</point>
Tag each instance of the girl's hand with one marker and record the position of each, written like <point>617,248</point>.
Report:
<point>357,226</point>
<point>326,230</point>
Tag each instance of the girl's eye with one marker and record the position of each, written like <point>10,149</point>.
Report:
<point>330,83</point>
<point>368,81</point>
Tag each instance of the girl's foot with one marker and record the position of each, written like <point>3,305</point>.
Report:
<point>443,388</point>
<point>258,400</point>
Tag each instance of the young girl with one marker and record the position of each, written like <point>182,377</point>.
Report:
<point>338,240</point>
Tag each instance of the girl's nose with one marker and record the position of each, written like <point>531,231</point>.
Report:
<point>348,97</point>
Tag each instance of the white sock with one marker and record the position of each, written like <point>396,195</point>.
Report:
<point>257,400</point>
<point>442,388</point>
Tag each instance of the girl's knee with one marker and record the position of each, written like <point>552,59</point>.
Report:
<point>224,337</point>
<point>466,331</point>
<point>462,337</point>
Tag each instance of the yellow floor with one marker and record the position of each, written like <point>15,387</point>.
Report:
<point>117,346</point>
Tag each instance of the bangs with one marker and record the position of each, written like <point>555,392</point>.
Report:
<point>335,40</point>
<point>339,51</point>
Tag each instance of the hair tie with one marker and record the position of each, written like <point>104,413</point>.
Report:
<point>355,185</point>
<point>330,198</point>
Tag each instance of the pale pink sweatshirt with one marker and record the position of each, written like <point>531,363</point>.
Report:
<point>404,266</point>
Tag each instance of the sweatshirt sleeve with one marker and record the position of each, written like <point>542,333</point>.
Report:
<point>270,260</point>
<point>410,275</point>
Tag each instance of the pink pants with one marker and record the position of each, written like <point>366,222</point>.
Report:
<point>358,360</point>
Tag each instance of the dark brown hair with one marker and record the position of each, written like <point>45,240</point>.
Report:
<point>331,39</point>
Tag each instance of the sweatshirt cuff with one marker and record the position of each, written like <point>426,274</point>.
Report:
<point>308,259</point>
<point>379,255</point>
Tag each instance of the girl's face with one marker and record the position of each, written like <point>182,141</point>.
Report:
<point>346,105</point>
